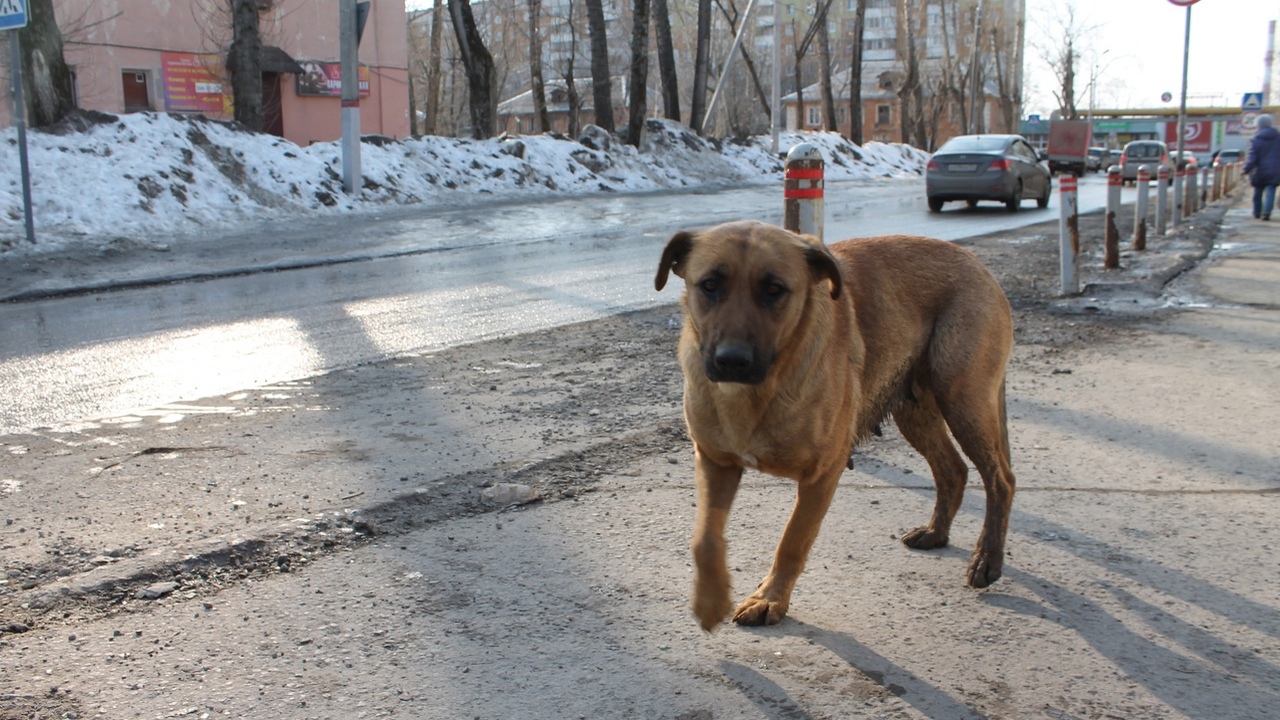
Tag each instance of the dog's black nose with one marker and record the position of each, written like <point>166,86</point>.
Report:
<point>732,362</point>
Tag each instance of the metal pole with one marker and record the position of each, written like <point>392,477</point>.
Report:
<point>20,121</point>
<point>803,191</point>
<point>1140,209</point>
<point>1162,198</point>
<point>347,41</point>
<point>1111,244</point>
<point>776,113</point>
<point>1182,123</point>
<point>737,40</point>
<point>1069,236</point>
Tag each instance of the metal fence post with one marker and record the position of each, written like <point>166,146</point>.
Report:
<point>1111,259</point>
<point>1162,198</point>
<point>1140,209</point>
<point>803,191</point>
<point>1069,236</point>
<point>1193,195</point>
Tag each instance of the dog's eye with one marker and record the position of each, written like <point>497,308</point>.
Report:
<point>775,290</point>
<point>709,286</point>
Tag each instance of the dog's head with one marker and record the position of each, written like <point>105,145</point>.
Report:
<point>748,285</point>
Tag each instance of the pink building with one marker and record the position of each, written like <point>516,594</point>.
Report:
<point>167,56</point>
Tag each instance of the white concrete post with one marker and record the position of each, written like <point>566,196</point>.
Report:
<point>1069,236</point>
<point>803,191</point>
<point>1140,209</point>
<point>1162,198</point>
<point>1111,245</point>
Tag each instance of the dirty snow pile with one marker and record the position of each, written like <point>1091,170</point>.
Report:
<point>147,174</point>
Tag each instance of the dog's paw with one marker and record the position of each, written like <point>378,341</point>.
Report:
<point>758,611</point>
<point>711,608</point>
<point>922,538</point>
<point>984,570</point>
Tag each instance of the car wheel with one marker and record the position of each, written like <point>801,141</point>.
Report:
<point>935,205</point>
<point>1015,200</point>
<point>1042,202</point>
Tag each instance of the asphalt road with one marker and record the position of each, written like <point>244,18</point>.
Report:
<point>290,300</point>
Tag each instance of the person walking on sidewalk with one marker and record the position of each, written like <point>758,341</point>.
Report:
<point>1263,167</point>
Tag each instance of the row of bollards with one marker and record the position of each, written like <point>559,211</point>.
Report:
<point>1190,194</point>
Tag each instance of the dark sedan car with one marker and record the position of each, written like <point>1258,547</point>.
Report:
<point>1004,168</point>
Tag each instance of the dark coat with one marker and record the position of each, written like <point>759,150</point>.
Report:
<point>1263,167</point>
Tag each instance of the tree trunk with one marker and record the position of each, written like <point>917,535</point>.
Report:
<point>46,78</point>
<point>666,61</point>
<point>701,65</point>
<point>537,86</point>
<point>433,69</point>
<point>855,74</point>
<point>824,78</point>
<point>478,62</point>
<point>601,84</point>
<point>639,71</point>
<point>245,65</point>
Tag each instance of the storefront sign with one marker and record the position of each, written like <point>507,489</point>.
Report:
<point>1196,136</point>
<point>323,79</point>
<point>193,84</point>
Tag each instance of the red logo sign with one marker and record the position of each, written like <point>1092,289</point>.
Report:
<point>1196,136</point>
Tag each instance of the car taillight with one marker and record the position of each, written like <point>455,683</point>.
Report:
<point>999,164</point>
<point>1164,160</point>
<point>1122,159</point>
<point>933,165</point>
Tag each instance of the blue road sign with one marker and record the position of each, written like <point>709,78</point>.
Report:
<point>13,14</point>
<point>1252,101</point>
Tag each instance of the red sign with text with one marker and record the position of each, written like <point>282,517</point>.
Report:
<point>325,79</point>
<point>1196,136</point>
<point>193,84</point>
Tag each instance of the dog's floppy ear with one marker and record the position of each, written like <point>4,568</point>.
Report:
<point>673,258</point>
<point>823,264</point>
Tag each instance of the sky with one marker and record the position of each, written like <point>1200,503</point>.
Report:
<point>156,180</point>
<point>1137,46</point>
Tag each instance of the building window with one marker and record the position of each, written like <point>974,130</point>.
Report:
<point>882,114</point>
<point>815,116</point>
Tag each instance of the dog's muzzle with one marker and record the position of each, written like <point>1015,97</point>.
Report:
<point>736,363</point>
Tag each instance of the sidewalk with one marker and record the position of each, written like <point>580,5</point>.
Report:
<point>322,549</point>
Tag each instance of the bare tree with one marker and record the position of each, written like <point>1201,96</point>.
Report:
<point>433,68</point>
<point>244,62</point>
<point>824,72</point>
<point>701,64</point>
<point>732,16</point>
<point>46,78</point>
<point>536,85</point>
<point>481,73</point>
<point>601,83</point>
<point>1065,35</point>
<point>801,49</point>
<point>666,61</point>
<point>855,73</point>
<point>639,71</point>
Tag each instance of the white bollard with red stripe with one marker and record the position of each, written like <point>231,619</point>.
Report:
<point>1162,198</point>
<point>1140,209</point>
<point>1069,236</point>
<point>803,191</point>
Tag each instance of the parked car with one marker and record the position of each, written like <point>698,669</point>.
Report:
<point>1184,159</point>
<point>1227,157</point>
<point>972,168</point>
<point>1097,159</point>
<point>1151,153</point>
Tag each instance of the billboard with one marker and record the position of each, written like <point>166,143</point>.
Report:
<point>193,84</point>
<point>1196,136</point>
<point>324,79</point>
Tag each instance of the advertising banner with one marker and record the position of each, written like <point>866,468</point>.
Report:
<point>193,84</point>
<point>324,79</point>
<point>1196,136</point>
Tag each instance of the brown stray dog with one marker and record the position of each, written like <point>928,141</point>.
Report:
<point>794,352</point>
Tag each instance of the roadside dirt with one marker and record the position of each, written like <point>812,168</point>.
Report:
<point>142,517</point>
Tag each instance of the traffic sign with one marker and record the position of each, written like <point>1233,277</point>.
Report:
<point>13,14</point>
<point>1251,101</point>
<point>1249,120</point>
<point>1184,3</point>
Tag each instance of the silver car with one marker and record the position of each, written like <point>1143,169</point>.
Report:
<point>1004,168</point>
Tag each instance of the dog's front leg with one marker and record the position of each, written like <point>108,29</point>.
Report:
<point>717,484</point>
<point>768,604</point>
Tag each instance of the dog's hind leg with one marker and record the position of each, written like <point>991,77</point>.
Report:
<point>769,603</point>
<point>921,423</point>
<point>978,421</point>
